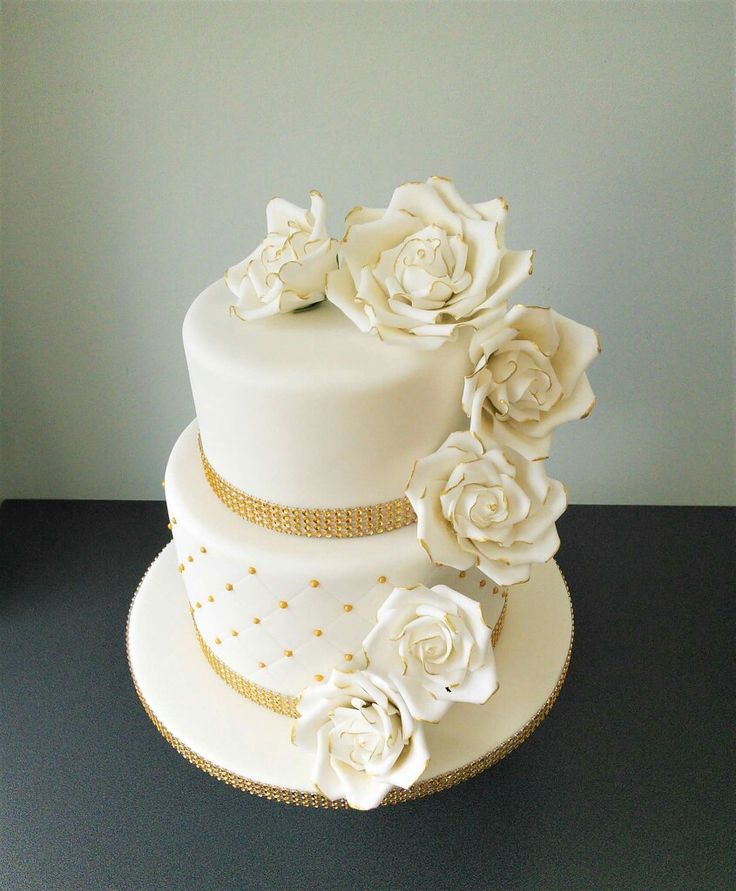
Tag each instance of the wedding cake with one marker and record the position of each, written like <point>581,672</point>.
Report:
<point>365,481</point>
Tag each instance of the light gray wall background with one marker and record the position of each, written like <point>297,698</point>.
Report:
<point>142,141</point>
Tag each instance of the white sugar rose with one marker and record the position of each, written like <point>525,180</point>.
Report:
<point>288,270</point>
<point>428,263</point>
<point>529,378</point>
<point>478,504</point>
<point>364,738</point>
<point>433,646</point>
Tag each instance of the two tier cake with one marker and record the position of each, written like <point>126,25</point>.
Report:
<point>365,482</point>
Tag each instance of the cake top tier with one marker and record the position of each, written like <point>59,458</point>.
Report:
<point>302,409</point>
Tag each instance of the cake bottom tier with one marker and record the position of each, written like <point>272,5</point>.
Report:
<point>276,613</point>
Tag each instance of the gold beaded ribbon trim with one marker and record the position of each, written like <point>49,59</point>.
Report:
<point>280,702</point>
<point>397,796</point>
<point>317,522</point>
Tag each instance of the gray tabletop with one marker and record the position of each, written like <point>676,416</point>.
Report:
<point>625,784</point>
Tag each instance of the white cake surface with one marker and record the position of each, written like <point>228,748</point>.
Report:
<point>347,573</point>
<point>304,410</point>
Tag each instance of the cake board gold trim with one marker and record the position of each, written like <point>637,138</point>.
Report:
<point>420,789</point>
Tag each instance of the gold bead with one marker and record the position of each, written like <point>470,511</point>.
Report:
<point>319,678</point>
<point>348,657</point>
<point>256,620</point>
<point>228,586</point>
<point>190,559</point>
<point>163,482</point>
<point>251,570</point>
<point>462,574</point>
<point>173,520</point>
<point>234,633</point>
<point>283,604</point>
<point>203,550</point>
<point>495,590</point>
<point>288,653</point>
<point>211,599</point>
<point>182,567</point>
<point>317,632</point>
<point>381,579</point>
<point>348,607</point>
<point>314,584</point>
<point>217,640</point>
<point>198,605</point>
<point>261,664</point>
<point>482,583</point>
<point>168,526</point>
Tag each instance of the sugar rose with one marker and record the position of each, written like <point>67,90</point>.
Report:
<point>434,647</point>
<point>428,263</point>
<point>288,270</point>
<point>529,378</point>
<point>480,504</point>
<point>365,740</point>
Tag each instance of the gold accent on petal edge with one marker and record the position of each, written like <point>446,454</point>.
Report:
<point>397,796</point>
<point>332,522</point>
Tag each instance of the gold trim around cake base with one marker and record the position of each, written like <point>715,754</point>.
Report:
<point>420,789</point>
<point>280,702</point>
<point>317,522</point>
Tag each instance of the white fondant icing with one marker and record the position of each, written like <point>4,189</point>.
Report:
<point>306,411</point>
<point>358,573</point>
<point>347,572</point>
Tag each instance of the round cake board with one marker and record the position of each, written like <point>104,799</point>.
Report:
<point>244,744</point>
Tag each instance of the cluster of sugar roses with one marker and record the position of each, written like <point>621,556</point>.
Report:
<point>428,268</point>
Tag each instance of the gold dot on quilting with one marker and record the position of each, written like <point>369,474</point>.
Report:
<point>314,584</point>
<point>482,583</point>
<point>495,590</point>
<point>381,579</point>
<point>261,664</point>
<point>348,607</point>
<point>228,586</point>
<point>319,678</point>
<point>190,559</point>
<point>234,633</point>
<point>462,574</point>
<point>182,567</point>
<point>211,599</point>
<point>348,657</point>
<point>288,653</point>
<point>317,632</point>
<point>283,604</point>
<point>217,640</point>
<point>198,605</point>
<point>168,526</point>
<point>251,570</point>
<point>173,520</point>
<point>256,620</point>
<point>203,550</point>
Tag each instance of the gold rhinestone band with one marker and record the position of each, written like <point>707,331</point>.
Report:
<point>276,702</point>
<point>280,702</point>
<point>323,522</point>
<point>397,796</point>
